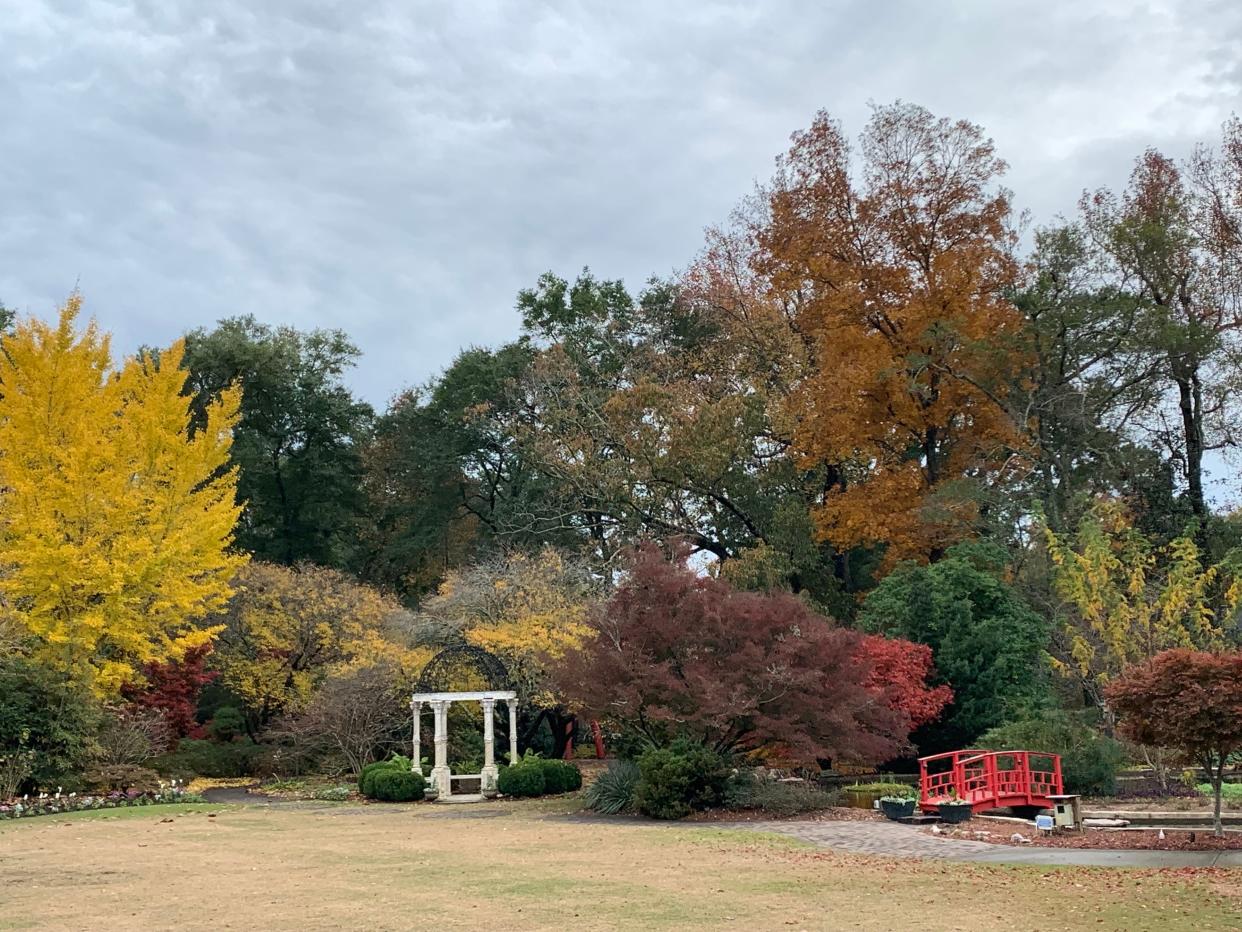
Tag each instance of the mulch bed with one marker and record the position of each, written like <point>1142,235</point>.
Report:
<point>1095,839</point>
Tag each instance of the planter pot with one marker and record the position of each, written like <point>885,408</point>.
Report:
<point>897,811</point>
<point>954,812</point>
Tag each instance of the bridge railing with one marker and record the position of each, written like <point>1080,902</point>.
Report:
<point>988,779</point>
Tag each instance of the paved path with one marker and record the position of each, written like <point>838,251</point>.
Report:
<point>889,839</point>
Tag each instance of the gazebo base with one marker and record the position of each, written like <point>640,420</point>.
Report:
<point>461,798</point>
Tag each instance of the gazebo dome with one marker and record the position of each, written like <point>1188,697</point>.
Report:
<point>464,667</point>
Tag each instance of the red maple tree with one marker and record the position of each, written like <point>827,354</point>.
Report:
<point>172,689</point>
<point>1189,701</point>
<point>675,653</point>
<point>899,671</point>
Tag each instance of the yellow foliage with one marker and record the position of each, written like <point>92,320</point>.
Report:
<point>116,522</point>
<point>526,609</point>
<point>1127,600</point>
<point>288,627</point>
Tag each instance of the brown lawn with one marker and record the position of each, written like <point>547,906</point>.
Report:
<point>523,866</point>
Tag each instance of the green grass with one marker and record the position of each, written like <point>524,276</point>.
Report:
<point>1230,791</point>
<point>156,812</point>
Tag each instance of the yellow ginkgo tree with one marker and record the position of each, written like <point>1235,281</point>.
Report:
<point>1124,599</point>
<point>115,521</point>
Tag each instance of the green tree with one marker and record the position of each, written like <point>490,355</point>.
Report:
<point>447,480</point>
<point>46,724</point>
<point>987,643</point>
<point>1086,376</point>
<point>298,445</point>
<point>1173,239</point>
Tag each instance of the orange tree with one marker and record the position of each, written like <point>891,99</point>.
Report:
<point>895,275</point>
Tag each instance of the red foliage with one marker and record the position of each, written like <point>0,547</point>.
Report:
<point>172,689</point>
<point>1190,701</point>
<point>899,671</point>
<point>676,653</point>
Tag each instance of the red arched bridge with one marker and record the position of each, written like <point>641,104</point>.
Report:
<point>989,779</point>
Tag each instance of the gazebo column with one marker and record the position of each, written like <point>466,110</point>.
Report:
<point>416,764</point>
<point>441,776</point>
<point>513,711</point>
<point>489,772</point>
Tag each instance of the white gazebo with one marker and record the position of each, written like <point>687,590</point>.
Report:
<point>460,666</point>
<point>441,775</point>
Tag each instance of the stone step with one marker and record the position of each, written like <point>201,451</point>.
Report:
<point>919,820</point>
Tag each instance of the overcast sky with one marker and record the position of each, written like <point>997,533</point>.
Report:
<point>400,169</point>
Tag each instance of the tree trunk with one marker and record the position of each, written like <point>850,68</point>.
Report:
<point>1190,405</point>
<point>1218,778</point>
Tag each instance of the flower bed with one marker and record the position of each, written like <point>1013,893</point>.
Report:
<point>59,803</point>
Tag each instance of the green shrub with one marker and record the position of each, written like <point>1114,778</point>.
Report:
<point>196,758</point>
<point>395,762</point>
<point>524,779</point>
<point>905,790</point>
<point>46,723</point>
<point>680,779</point>
<point>613,791</point>
<point>745,791</point>
<point>395,785</point>
<point>1089,761</point>
<point>560,776</point>
<point>227,723</point>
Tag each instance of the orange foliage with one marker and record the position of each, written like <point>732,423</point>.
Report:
<point>896,278</point>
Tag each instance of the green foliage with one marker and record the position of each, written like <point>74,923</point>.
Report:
<point>680,779</point>
<point>197,758</point>
<point>45,722</point>
<point>299,441</point>
<point>1230,791</point>
<point>560,776</point>
<point>227,723</point>
<point>746,791</point>
<point>903,790</point>
<point>334,794</point>
<point>367,775</point>
<point>987,643</point>
<point>613,790</point>
<point>1089,761</point>
<point>524,779</point>
<point>393,784</point>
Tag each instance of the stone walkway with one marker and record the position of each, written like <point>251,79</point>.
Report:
<point>888,839</point>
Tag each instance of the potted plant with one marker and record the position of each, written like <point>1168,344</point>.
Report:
<point>897,807</point>
<point>953,810</point>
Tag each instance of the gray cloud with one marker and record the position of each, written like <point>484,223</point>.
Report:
<point>400,169</point>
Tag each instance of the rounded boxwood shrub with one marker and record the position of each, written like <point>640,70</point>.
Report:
<point>524,779</point>
<point>394,785</point>
<point>680,779</point>
<point>396,762</point>
<point>560,776</point>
